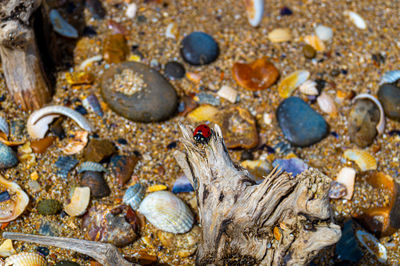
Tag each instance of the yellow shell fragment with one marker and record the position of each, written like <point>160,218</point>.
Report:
<point>315,42</point>
<point>7,249</point>
<point>363,159</point>
<point>291,82</point>
<point>25,259</point>
<point>156,188</point>
<point>280,35</point>
<point>203,113</point>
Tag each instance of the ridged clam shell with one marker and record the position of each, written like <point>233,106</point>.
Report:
<point>25,259</point>
<point>380,127</point>
<point>373,245</point>
<point>327,104</point>
<point>291,82</point>
<point>16,205</point>
<point>254,10</point>
<point>358,21</point>
<point>309,88</point>
<point>390,77</point>
<point>91,166</point>
<point>4,125</point>
<point>167,212</point>
<point>134,196</point>
<point>362,158</point>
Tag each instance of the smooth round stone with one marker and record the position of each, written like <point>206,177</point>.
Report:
<point>138,92</point>
<point>363,118</point>
<point>389,96</point>
<point>300,124</point>
<point>308,51</point>
<point>199,48</point>
<point>174,70</point>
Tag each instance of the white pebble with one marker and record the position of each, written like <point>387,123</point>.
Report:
<point>228,93</point>
<point>324,33</point>
<point>131,10</point>
<point>358,21</point>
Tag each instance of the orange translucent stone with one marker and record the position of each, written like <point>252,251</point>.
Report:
<point>258,75</point>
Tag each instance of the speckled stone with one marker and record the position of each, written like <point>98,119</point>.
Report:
<point>49,207</point>
<point>156,101</point>
<point>389,96</point>
<point>300,124</point>
<point>199,48</point>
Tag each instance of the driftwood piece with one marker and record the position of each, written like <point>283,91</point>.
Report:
<point>283,220</point>
<point>21,60</point>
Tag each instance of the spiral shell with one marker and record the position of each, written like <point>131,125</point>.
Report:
<point>134,196</point>
<point>25,259</point>
<point>167,212</point>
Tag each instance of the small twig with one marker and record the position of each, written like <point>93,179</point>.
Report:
<point>106,254</point>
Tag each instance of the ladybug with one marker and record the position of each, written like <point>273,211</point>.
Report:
<point>202,134</point>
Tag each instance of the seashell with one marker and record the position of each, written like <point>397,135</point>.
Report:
<point>64,165</point>
<point>291,82</point>
<point>346,177</point>
<point>25,259</point>
<point>194,77</point>
<point>89,61</point>
<point>155,188</point>
<point>4,125</point>
<point>363,159</point>
<point>172,31</point>
<point>79,201</point>
<point>61,26</point>
<point>280,35</point>
<point>131,10</point>
<point>380,127</point>
<point>204,112</point>
<point>324,33</point>
<point>134,196</point>
<point>327,104</point>
<point>167,212</point>
<point>337,190</point>
<point>182,184</point>
<point>315,42</point>
<point>8,158</point>
<point>254,10</point>
<point>39,120</point>
<point>95,181</point>
<point>76,144</point>
<point>293,166</point>
<point>372,244</point>
<point>390,77</point>
<point>91,166</point>
<point>7,249</point>
<point>309,87</point>
<point>356,19</point>
<point>92,102</point>
<point>228,93</point>
<point>15,206</point>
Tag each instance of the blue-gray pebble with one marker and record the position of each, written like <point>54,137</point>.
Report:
<point>8,158</point>
<point>389,96</point>
<point>199,48</point>
<point>300,124</point>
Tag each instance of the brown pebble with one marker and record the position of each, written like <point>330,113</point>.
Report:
<point>41,145</point>
<point>308,51</point>
<point>98,150</point>
<point>95,181</point>
<point>115,48</point>
<point>122,167</point>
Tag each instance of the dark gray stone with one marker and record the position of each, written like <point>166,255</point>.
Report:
<point>8,158</point>
<point>199,48</point>
<point>174,70</point>
<point>389,96</point>
<point>301,125</point>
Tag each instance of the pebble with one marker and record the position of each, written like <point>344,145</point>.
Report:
<point>131,10</point>
<point>49,207</point>
<point>228,93</point>
<point>309,52</point>
<point>324,33</point>
<point>280,35</point>
<point>300,124</point>
<point>257,75</point>
<point>47,228</point>
<point>389,96</point>
<point>61,26</point>
<point>347,248</point>
<point>363,118</point>
<point>96,9</point>
<point>8,158</point>
<point>95,181</point>
<point>206,98</point>
<point>174,70</point>
<point>293,166</point>
<point>199,48</point>
<point>98,150</point>
<point>115,48</point>
<point>182,184</point>
<point>123,166</point>
<point>139,93</point>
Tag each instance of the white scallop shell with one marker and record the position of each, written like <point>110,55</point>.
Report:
<point>373,245</point>
<point>309,88</point>
<point>324,33</point>
<point>327,104</point>
<point>16,205</point>
<point>380,127</point>
<point>358,21</point>
<point>390,77</point>
<point>167,212</point>
<point>254,10</point>
<point>25,259</point>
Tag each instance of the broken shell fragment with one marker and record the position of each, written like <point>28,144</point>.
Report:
<point>167,212</point>
<point>91,166</point>
<point>390,77</point>
<point>356,19</point>
<point>327,104</point>
<point>315,42</point>
<point>373,245</point>
<point>324,33</point>
<point>337,190</point>
<point>4,125</point>
<point>79,201</point>
<point>291,82</point>
<point>346,177</point>
<point>309,88</point>
<point>76,144</point>
<point>134,196</point>
<point>364,160</point>
<point>7,249</point>
<point>380,127</point>
<point>25,259</point>
<point>39,120</point>
<point>13,207</point>
<point>228,93</point>
<point>254,10</point>
<point>280,35</point>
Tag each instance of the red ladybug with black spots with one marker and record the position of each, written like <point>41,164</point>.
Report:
<point>202,134</point>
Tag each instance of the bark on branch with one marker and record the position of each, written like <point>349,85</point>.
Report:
<point>283,220</point>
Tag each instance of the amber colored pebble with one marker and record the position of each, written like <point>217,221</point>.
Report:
<point>186,105</point>
<point>115,48</point>
<point>4,225</point>
<point>79,78</point>
<point>257,75</point>
<point>116,27</point>
<point>41,145</point>
<point>98,149</point>
<point>308,51</point>
<point>277,233</point>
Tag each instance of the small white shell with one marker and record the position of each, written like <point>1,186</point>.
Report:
<point>390,77</point>
<point>254,10</point>
<point>39,120</point>
<point>327,104</point>
<point>324,33</point>
<point>358,21</point>
<point>131,10</point>
<point>16,205</point>
<point>79,201</point>
<point>346,177</point>
<point>172,31</point>
<point>228,93</point>
<point>25,259</point>
<point>167,212</point>
<point>309,88</point>
<point>380,127</point>
<point>373,245</point>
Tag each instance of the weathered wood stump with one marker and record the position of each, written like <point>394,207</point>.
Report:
<point>283,220</point>
<point>21,61</point>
